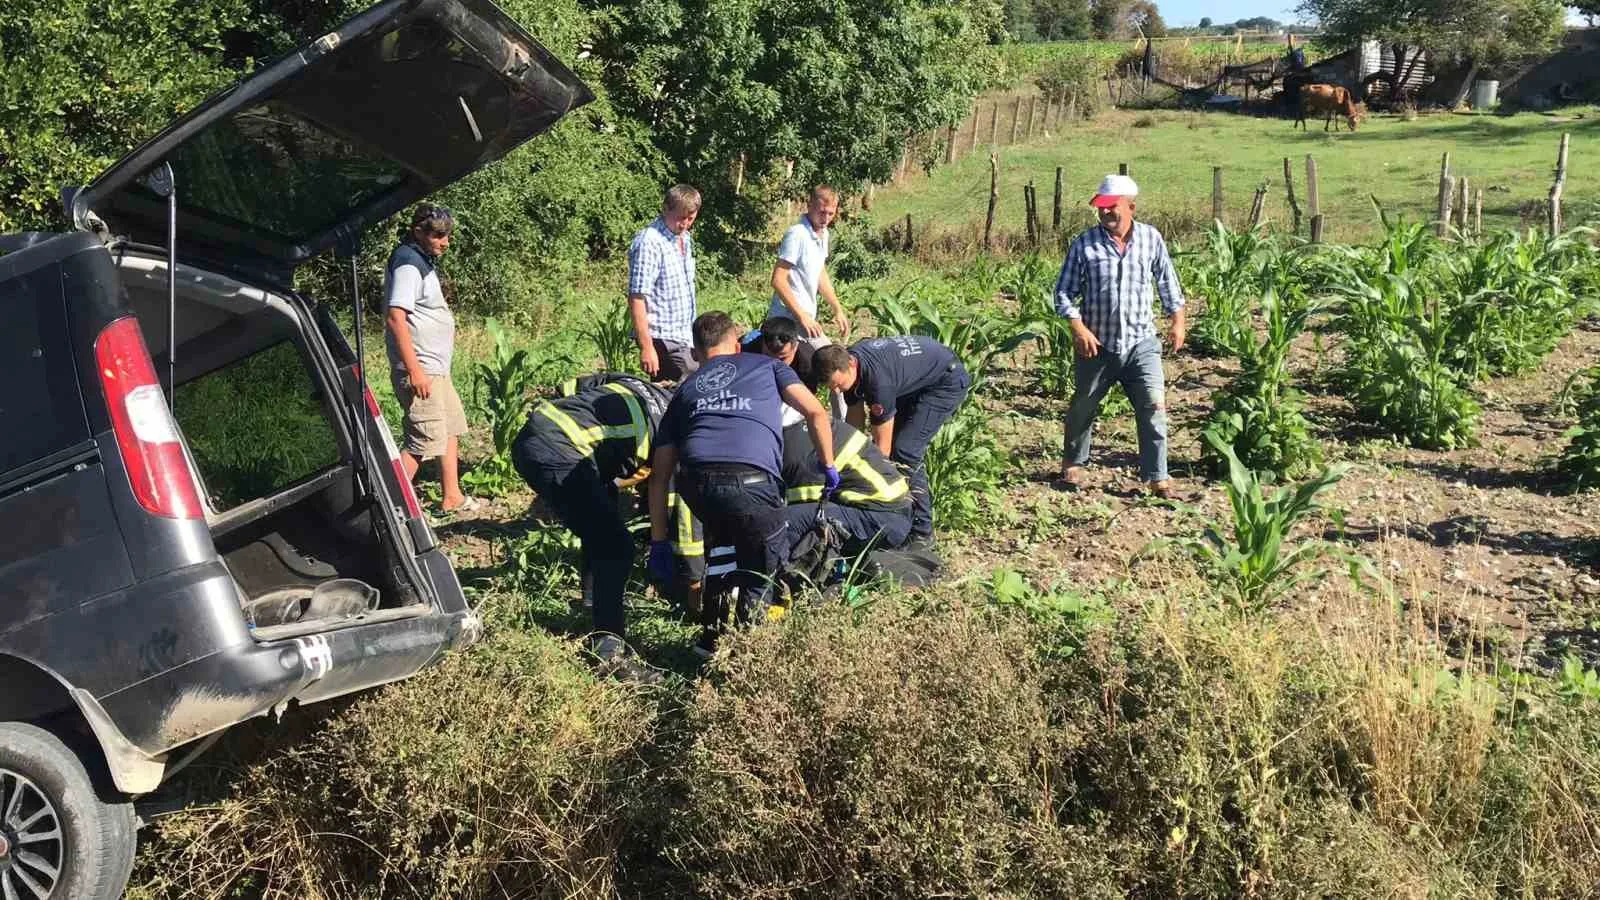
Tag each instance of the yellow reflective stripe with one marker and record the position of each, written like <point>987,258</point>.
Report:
<point>685,545</point>
<point>636,428</point>
<point>883,490</point>
<point>569,387</point>
<point>850,450</point>
<point>805,493</point>
<point>581,439</point>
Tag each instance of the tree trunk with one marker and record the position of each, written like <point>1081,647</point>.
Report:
<point>1465,88</point>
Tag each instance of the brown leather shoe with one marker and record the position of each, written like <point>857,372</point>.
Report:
<point>1073,478</point>
<point>1164,489</point>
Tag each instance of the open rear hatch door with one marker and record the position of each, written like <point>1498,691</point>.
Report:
<point>399,101</point>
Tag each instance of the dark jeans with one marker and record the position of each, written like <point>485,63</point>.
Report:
<point>677,360</point>
<point>741,507</point>
<point>587,504</point>
<point>879,529</point>
<point>1138,370</point>
<point>917,419</point>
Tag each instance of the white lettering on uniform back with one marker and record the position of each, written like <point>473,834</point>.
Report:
<point>907,346</point>
<point>723,401</point>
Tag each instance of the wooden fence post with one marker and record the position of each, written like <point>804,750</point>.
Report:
<point>866,198</point>
<point>950,145</point>
<point>972,143</point>
<point>994,123</point>
<point>1446,195</point>
<point>1110,94</point>
<point>1313,200</point>
<point>1027,210</point>
<point>994,199</point>
<point>738,175</point>
<point>1258,205</point>
<point>1288,183</point>
<point>1016,119</point>
<point>1463,205</point>
<point>1055,212</point>
<point>1072,108</point>
<point>1122,168</point>
<point>1216,193</point>
<point>1477,213</point>
<point>1033,105</point>
<point>909,245</point>
<point>1558,187</point>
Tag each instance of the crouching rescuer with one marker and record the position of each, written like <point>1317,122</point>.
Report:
<point>902,389</point>
<point>575,452</point>
<point>871,510</point>
<point>721,440</point>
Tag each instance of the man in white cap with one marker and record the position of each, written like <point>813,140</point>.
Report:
<point>1104,289</point>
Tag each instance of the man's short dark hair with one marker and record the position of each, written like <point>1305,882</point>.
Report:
<point>433,219</point>
<point>828,360</point>
<point>711,329</point>
<point>778,332</point>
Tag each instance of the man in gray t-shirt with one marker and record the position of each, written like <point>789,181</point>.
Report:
<point>420,335</point>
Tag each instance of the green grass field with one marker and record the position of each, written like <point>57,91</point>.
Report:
<point>1171,154</point>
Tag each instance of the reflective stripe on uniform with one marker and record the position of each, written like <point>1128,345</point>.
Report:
<point>685,546</point>
<point>849,458</point>
<point>584,439</point>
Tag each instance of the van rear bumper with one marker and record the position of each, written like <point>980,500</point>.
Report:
<point>247,678</point>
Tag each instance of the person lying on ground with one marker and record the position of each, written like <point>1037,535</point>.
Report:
<point>1104,290</point>
<point>574,451</point>
<point>871,508</point>
<point>905,388</point>
<point>724,427</point>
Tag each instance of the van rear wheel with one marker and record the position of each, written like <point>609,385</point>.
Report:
<point>58,838</point>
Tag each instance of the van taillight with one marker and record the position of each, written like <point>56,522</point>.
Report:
<point>147,436</point>
<point>407,493</point>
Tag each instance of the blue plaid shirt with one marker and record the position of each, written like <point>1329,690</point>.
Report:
<point>1110,289</point>
<point>661,269</point>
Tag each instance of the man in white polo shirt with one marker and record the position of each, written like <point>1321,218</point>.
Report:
<point>801,274</point>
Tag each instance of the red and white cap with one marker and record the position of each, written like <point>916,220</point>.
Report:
<point>1111,188</point>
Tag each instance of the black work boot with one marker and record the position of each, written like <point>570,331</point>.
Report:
<point>613,658</point>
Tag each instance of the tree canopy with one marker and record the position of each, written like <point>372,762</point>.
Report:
<point>1490,32</point>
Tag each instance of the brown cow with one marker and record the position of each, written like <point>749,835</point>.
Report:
<point>1326,100</point>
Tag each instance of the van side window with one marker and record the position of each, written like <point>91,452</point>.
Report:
<point>41,411</point>
<point>256,426</point>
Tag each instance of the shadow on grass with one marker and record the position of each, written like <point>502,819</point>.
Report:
<point>1478,531</point>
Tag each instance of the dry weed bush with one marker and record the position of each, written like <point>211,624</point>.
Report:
<point>906,756</point>
<point>499,773</point>
<point>1227,756</point>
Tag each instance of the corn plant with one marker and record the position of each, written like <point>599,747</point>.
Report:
<point>1395,363</point>
<point>965,467</point>
<point>1225,275</point>
<point>1252,557</point>
<point>1033,286</point>
<point>501,387</point>
<point>1579,466</point>
<point>1259,415</point>
<point>978,334</point>
<point>610,328</point>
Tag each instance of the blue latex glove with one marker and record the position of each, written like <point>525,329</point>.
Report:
<point>830,481</point>
<point>660,563</point>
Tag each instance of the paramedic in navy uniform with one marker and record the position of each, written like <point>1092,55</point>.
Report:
<point>723,434</point>
<point>906,387</point>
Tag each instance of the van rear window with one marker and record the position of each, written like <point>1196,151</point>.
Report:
<point>41,411</point>
<point>256,426</point>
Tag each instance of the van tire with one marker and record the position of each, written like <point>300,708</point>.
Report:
<point>99,836</point>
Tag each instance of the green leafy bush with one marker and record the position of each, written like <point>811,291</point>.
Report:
<point>1259,415</point>
<point>965,467</point>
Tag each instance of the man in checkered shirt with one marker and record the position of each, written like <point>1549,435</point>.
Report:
<point>661,295</point>
<point>1104,290</point>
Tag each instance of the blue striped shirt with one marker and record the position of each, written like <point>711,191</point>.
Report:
<point>661,269</point>
<point>1110,288</point>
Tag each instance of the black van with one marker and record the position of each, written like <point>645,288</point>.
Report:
<point>204,516</point>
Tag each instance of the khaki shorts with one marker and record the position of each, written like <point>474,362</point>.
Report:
<point>429,422</point>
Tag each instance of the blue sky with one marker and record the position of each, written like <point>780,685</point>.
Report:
<point>1189,12</point>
